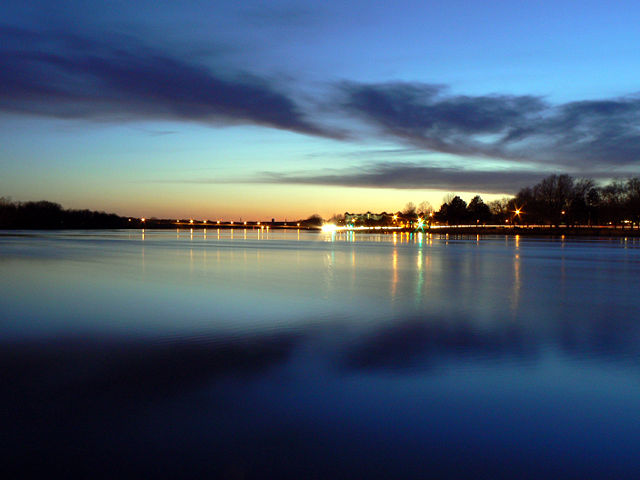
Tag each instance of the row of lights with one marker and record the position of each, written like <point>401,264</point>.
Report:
<point>230,223</point>
<point>191,221</point>
<point>143,219</point>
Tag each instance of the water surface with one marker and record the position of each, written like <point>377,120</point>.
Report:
<point>285,354</point>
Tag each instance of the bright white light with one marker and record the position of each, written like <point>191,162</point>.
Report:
<point>329,227</point>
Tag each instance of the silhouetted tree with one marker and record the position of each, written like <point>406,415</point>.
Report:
<point>632,204</point>
<point>424,209</point>
<point>408,214</point>
<point>454,212</point>
<point>478,211</point>
<point>579,211</point>
<point>337,219</point>
<point>612,201</point>
<point>314,220</point>
<point>553,194</point>
<point>500,209</point>
<point>44,214</point>
<point>409,209</point>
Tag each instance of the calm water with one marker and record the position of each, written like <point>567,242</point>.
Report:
<point>249,354</point>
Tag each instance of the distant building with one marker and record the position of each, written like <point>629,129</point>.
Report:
<point>366,218</point>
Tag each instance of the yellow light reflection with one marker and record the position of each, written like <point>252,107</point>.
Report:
<point>515,296</point>
<point>420,282</point>
<point>394,278</point>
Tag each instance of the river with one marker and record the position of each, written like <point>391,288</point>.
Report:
<point>293,354</point>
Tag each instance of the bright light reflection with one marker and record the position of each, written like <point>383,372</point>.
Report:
<point>330,227</point>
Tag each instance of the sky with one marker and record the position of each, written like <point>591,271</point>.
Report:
<point>283,109</point>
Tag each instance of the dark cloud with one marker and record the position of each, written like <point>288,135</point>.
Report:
<point>411,175</point>
<point>604,132</point>
<point>274,16</point>
<point>66,74</point>
<point>423,115</point>
<point>405,175</point>
<point>70,76</point>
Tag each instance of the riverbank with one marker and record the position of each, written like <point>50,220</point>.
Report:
<point>563,230</point>
<point>511,230</point>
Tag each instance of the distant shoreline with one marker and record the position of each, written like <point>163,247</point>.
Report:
<point>471,230</point>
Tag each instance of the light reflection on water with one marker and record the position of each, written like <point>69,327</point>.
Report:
<point>329,355</point>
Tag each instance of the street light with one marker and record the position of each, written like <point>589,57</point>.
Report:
<point>516,213</point>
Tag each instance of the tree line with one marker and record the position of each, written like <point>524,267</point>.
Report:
<point>49,215</point>
<point>555,200</point>
<point>561,199</point>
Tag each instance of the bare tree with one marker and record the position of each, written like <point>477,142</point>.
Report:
<point>425,209</point>
<point>500,209</point>
<point>409,209</point>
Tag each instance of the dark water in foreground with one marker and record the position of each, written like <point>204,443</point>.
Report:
<point>289,355</point>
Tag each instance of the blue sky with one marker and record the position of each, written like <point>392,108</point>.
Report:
<point>284,109</point>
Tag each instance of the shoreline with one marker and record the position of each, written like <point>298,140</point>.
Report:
<point>471,230</point>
